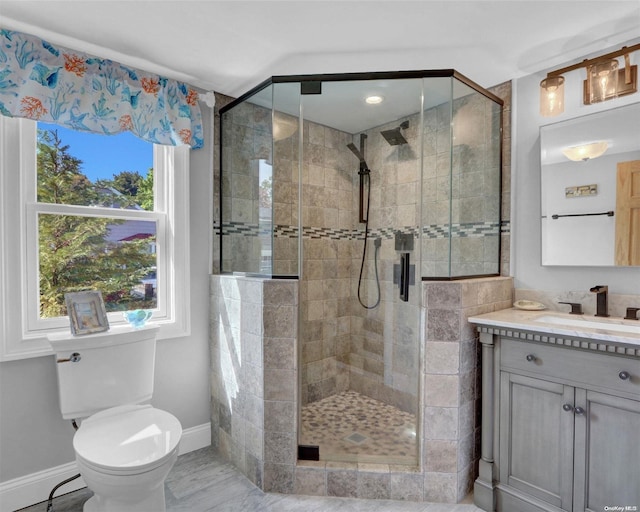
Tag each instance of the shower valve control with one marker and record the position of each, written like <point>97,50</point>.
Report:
<point>73,358</point>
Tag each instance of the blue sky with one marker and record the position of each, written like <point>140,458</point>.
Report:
<point>105,155</point>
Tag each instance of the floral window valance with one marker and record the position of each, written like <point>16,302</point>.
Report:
<point>50,83</point>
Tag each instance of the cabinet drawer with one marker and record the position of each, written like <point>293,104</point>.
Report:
<point>576,366</point>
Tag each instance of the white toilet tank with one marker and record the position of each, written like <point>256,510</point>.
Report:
<point>113,368</point>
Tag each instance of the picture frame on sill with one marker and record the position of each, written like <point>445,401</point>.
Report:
<point>87,314</point>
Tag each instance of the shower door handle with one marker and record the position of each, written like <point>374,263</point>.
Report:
<point>405,269</point>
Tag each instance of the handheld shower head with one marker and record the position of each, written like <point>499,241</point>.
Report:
<point>394,136</point>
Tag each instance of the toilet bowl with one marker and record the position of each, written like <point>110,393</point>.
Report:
<point>124,450</point>
<point>124,455</point>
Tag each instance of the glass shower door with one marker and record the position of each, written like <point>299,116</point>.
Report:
<point>359,328</point>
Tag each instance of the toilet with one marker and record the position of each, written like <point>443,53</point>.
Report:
<point>124,447</point>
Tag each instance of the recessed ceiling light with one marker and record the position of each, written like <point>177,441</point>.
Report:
<point>374,99</point>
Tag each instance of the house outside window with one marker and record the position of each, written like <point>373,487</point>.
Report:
<point>64,230</point>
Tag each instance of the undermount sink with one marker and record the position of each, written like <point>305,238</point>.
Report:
<point>608,325</point>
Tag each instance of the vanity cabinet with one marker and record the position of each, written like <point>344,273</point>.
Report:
<point>536,438</point>
<point>561,424</point>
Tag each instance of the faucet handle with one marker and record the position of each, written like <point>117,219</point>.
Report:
<point>632,314</point>
<point>576,307</point>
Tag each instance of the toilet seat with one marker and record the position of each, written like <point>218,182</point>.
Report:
<point>127,439</point>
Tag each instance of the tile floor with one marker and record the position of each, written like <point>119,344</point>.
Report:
<point>355,428</point>
<point>201,481</point>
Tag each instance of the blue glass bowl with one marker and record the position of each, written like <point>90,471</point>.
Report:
<point>138,317</point>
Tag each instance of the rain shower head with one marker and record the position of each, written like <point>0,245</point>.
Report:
<point>394,136</point>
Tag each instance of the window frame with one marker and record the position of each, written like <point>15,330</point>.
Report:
<point>23,332</point>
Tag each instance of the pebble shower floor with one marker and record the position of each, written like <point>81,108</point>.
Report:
<point>352,427</point>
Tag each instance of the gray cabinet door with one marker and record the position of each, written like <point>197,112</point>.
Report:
<point>536,438</point>
<point>607,453</point>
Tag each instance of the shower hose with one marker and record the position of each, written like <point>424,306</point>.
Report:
<point>364,249</point>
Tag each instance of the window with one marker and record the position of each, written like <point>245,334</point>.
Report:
<point>67,226</point>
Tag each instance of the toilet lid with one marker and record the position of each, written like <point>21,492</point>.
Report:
<point>127,436</point>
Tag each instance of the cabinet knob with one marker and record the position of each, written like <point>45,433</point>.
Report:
<point>624,375</point>
<point>567,407</point>
<point>579,410</point>
<point>531,357</point>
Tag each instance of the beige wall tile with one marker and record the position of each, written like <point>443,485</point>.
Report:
<point>441,390</point>
<point>441,456</point>
<point>277,384</point>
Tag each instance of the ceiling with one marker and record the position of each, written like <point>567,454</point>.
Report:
<point>231,46</point>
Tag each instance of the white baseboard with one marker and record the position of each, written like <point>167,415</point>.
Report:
<point>30,489</point>
<point>195,438</point>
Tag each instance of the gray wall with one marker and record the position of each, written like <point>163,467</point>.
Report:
<point>525,237</point>
<point>33,435</point>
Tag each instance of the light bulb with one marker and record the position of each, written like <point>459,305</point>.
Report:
<point>603,81</point>
<point>552,96</point>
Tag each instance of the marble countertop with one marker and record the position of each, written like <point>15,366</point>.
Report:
<point>553,322</point>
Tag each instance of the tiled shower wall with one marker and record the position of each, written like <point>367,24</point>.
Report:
<point>254,406</point>
<point>248,146</point>
<point>253,373</point>
<point>451,381</point>
<point>461,181</point>
<point>325,288</point>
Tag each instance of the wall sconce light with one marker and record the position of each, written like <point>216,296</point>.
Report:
<point>586,151</point>
<point>605,81</point>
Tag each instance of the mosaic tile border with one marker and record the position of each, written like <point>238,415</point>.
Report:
<point>432,231</point>
<point>243,228</point>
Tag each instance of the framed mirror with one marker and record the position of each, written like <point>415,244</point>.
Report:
<point>590,189</point>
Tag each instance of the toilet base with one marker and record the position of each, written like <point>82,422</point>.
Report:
<point>153,502</point>
<point>138,492</point>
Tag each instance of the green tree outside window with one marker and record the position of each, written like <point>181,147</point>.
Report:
<point>76,252</point>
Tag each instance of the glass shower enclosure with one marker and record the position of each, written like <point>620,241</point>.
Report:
<point>361,186</point>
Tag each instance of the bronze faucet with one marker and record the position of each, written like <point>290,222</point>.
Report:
<point>601,300</point>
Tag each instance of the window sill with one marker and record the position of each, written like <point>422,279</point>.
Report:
<point>37,344</point>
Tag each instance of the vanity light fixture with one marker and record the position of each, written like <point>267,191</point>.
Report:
<point>374,99</point>
<point>586,151</point>
<point>605,81</point>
